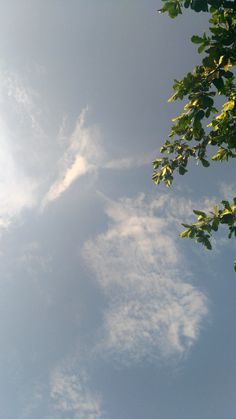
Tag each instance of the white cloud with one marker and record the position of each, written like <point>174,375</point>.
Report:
<point>228,190</point>
<point>26,149</point>
<point>19,143</point>
<point>70,395</point>
<point>78,168</point>
<point>14,88</point>
<point>83,155</point>
<point>152,310</point>
<point>67,393</point>
<point>130,162</point>
<point>18,99</point>
<point>17,190</point>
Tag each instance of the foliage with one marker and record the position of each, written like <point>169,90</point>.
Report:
<point>201,132</point>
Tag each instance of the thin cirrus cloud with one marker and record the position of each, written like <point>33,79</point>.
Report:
<point>129,162</point>
<point>153,311</point>
<point>228,190</point>
<point>18,102</point>
<point>19,105</point>
<point>78,168</point>
<point>70,395</point>
<point>17,190</point>
<point>25,143</point>
<point>18,129</point>
<point>66,394</point>
<point>83,155</point>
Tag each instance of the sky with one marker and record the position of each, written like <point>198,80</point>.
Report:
<point>105,312</point>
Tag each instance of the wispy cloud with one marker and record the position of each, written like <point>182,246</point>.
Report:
<point>66,393</point>
<point>78,168</point>
<point>83,155</point>
<point>70,395</point>
<point>153,311</point>
<point>17,98</point>
<point>130,162</point>
<point>17,190</point>
<point>19,139</point>
<point>228,190</point>
<point>32,162</point>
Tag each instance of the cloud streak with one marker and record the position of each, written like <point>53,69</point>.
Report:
<point>82,156</point>
<point>228,190</point>
<point>78,168</point>
<point>17,190</point>
<point>20,134</point>
<point>85,154</point>
<point>129,162</point>
<point>67,393</point>
<point>31,163</point>
<point>153,311</point>
<point>70,395</point>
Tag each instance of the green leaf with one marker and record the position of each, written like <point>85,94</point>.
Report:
<point>218,83</point>
<point>156,163</point>
<point>185,233</point>
<point>215,224</point>
<point>228,74</point>
<point>205,163</point>
<point>186,4</point>
<point>197,212</point>
<point>201,48</point>
<point>221,155</point>
<point>216,210</point>
<point>207,243</point>
<point>199,5</point>
<point>227,219</point>
<point>197,39</point>
<point>182,170</point>
<point>226,205</point>
<point>199,115</point>
<point>229,106</point>
<point>221,59</point>
<point>172,98</point>
<point>207,102</point>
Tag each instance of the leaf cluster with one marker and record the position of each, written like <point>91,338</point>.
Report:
<point>201,130</point>
<point>209,223</point>
<point>175,7</point>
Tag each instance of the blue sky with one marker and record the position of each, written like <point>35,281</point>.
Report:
<point>105,312</point>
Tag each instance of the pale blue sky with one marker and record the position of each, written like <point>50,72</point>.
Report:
<point>105,312</point>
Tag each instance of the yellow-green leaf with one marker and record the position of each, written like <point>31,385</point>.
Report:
<point>228,106</point>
